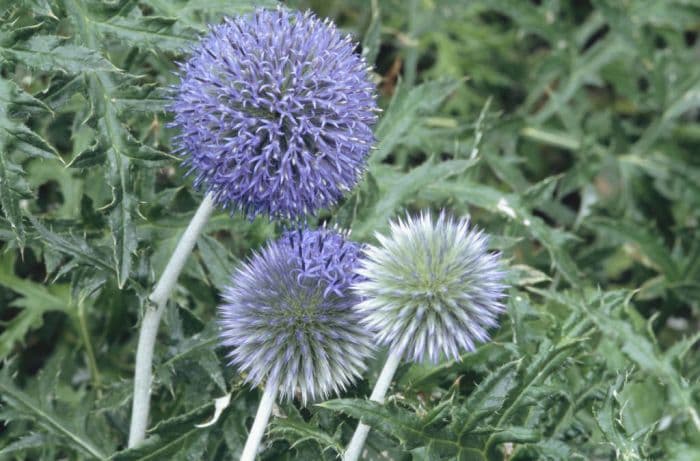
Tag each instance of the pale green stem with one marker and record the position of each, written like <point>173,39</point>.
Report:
<point>260,423</point>
<point>92,363</point>
<point>151,318</point>
<point>354,450</point>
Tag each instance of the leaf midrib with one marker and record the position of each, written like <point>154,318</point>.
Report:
<point>27,402</point>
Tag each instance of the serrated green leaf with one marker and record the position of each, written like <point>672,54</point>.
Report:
<point>419,376</point>
<point>297,431</point>
<point>396,188</point>
<point>72,246</point>
<point>29,407</point>
<point>18,136</point>
<point>9,199</point>
<point>509,205</point>
<point>124,240</point>
<point>35,301</point>
<point>655,254</point>
<point>11,94</point>
<point>405,110</point>
<point>609,423</point>
<point>50,53</point>
<point>168,437</point>
<point>148,32</point>
<point>394,421</point>
<point>216,259</point>
<point>487,399</point>
<point>28,442</point>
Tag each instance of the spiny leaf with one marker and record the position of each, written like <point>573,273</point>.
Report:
<point>298,431</point>
<point>9,199</point>
<point>28,442</point>
<point>509,206</point>
<point>487,399</point>
<point>49,53</point>
<point>19,137</point>
<point>397,188</point>
<point>124,238</point>
<point>35,301</point>
<point>609,423</point>
<point>397,422</point>
<point>72,246</point>
<point>11,94</point>
<point>29,407</point>
<point>168,437</point>
<point>420,375</point>
<point>405,110</point>
<point>654,252</point>
<point>148,32</point>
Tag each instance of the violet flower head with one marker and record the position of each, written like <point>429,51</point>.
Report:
<point>289,315</point>
<point>431,287</point>
<point>275,112</point>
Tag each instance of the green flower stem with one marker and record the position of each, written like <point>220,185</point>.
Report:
<point>151,318</point>
<point>260,423</point>
<point>354,450</point>
<point>89,351</point>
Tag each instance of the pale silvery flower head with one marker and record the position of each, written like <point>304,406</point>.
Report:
<point>431,287</point>
<point>288,315</point>
<point>275,112</point>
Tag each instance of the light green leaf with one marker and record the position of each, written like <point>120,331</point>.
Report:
<point>405,110</point>
<point>72,246</point>
<point>9,198</point>
<point>653,252</point>
<point>35,301</point>
<point>49,53</point>
<point>397,188</point>
<point>148,32</point>
<point>394,421</point>
<point>169,437</point>
<point>25,406</point>
<point>298,431</point>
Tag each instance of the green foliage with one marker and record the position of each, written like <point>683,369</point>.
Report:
<point>568,130</point>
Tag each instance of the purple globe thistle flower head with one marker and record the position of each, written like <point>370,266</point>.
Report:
<point>276,112</point>
<point>430,287</point>
<point>289,315</point>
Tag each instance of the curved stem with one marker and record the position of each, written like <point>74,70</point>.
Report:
<point>354,450</point>
<point>151,318</point>
<point>260,423</point>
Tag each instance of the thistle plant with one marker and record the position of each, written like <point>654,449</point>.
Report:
<point>288,318</point>
<point>430,288</point>
<point>275,114</point>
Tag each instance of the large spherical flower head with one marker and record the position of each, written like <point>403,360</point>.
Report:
<point>288,315</point>
<point>431,287</point>
<point>276,113</point>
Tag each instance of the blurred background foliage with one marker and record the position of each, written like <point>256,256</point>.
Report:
<point>568,129</point>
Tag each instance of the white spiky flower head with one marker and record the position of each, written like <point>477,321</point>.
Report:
<point>431,287</point>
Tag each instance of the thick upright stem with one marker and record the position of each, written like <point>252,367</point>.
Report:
<point>260,423</point>
<point>151,318</point>
<point>354,450</point>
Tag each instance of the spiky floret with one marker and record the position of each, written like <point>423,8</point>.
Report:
<point>275,112</point>
<point>431,287</point>
<point>288,315</point>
